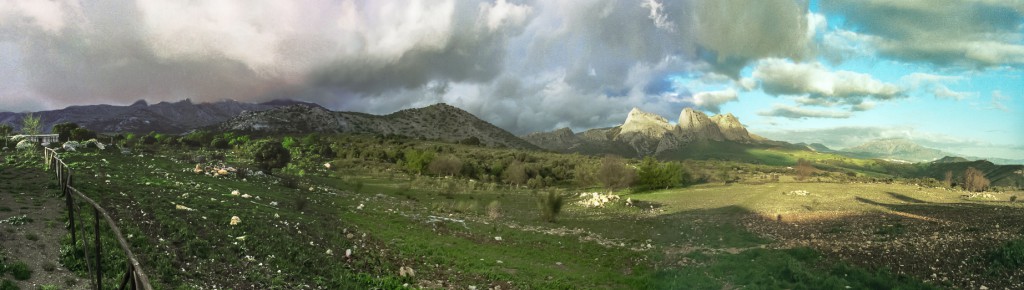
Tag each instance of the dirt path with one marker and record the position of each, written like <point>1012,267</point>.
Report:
<point>34,239</point>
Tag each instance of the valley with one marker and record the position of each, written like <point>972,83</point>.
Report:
<point>361,218</point>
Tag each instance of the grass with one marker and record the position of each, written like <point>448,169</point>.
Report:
<point>1008,256</point>
<point>445,230</point>
<point>798,268</point>
<point>20,271</point>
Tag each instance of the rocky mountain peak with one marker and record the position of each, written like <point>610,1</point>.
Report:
<point>645,123</point>
<point>731,127</point>
<point>140,103</point>
<point>698,126</point>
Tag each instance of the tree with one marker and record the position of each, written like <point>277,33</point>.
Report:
<point>653,174</point>
<point>516,174</point>
<point>82,134</point>
<point>31,125</point>
<point>803,169</point>
<point>948,181</point>
<point>63,130</point>
<point>446,165</point>
<point>269,155</point>
<point>6,129</point>
<point>417,160</point>
<point>220,143</point>
<point>974,180</point>
<point>614,174</point>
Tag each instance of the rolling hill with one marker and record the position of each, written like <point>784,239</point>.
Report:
<point>435,122</point>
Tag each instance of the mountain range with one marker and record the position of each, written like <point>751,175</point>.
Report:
<point>435,122</point>
<point>648,134</point>
<point>695,135</point>
<point>141,117</point>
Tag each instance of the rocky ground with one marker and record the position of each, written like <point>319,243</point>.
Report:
<point>943,244</point>
<point>31,226</point>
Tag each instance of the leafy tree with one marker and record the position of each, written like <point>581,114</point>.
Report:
<point>269,155</point>
<point>289,143</point>
<point>196,138</point>
<point>614,174</point>
<point>149,139</point>
<point>239,141</point>
<point>63,130</point>
<point>31,124</point>
<point>474,141</point>
<point>417,160</point>
<point>516,173</point>
<point>220,143</point>
<point>653,174</point>
<point>6,129</point>
<point>82,134</point>
<point>447,165</point>
<point>974,180</point>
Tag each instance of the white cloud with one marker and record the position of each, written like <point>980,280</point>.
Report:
<point>999,101</point>
<point>935,85</point>
<point>799,113</point>
<point>781,77</point>
<point>50,16</point>
<point>713,100</point>
<point>502,13</point>
<point>658,15</point>
<point>970,34</point>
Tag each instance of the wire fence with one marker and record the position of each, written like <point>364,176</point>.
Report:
<point>134,277</point>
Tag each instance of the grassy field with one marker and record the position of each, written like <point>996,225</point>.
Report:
<point>346,228</point>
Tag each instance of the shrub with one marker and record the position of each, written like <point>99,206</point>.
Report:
<point>1008,256</point>
<point>301,201</point>
<point>8,285</point>
<point>269,155</point>
<point>220,143</point>
<point>658,175</point>
<point>550,205</point>
<point>1013,198</point>
<point>974,180</point>
<point>803,169</point>
<point>494,210</point>
<point>20,271</point>
<point>81,134</point>
<point>446,165</point>
<point>49,266</point>
<point>614,173</point>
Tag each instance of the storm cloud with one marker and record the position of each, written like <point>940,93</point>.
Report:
<point>524,65</point>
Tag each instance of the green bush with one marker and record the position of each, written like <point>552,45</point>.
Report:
<point>269,155</point>
<point>660,175</point>
<point>220,143</point>
<point>550,205</point>
<point>8,285</point>
<point>20,271</point>
<point>1008,256</point>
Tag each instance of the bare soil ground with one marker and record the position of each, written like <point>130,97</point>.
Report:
<point>24,192</point>
<point>940,243</point>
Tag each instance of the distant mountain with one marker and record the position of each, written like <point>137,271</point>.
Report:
<point>434,122</point>
<point>816,147</point>
<point>141,117</point>
<point>895,149</point>
<point>951,159</point>
<point>998,175</point>
<point>647,134</point>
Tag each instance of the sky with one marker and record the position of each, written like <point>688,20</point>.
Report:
<point>945,74</point>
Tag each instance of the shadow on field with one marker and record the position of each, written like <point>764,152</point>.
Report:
<point>904,197</point>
